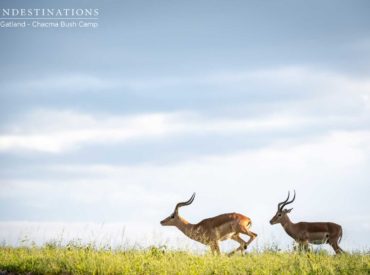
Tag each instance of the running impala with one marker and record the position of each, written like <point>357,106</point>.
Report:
<point>213,230</point>
<point>308,232</point>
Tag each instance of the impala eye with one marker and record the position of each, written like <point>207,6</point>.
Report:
<point>279,215</point>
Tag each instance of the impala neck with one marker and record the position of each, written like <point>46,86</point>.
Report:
<point>288,225</point>
<point>185,227</point>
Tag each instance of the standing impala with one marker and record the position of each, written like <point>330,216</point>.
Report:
<point>308,232</point>
<point>212,230</point>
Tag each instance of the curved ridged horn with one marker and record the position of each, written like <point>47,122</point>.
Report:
<point>286,202</point>
<point>180,204</point>
<point>281,204</point>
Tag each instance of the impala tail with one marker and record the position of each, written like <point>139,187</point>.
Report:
<point>340,235</point>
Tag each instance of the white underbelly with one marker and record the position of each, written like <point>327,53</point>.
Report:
<point>227,236</point>
<point>318,237</point>
<point>225,231</point>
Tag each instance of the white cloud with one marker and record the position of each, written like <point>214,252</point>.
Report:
<point>287,165</point>
<point>311,78</point>
<point>324,172</point>
<point>295,81</point>
<point>327,167</point>
<point>55,132</point>
<point>68,83</point>
<point>59,131</point>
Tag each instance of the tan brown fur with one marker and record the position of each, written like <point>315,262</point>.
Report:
<point>308,232</point>
<point>211,231</point>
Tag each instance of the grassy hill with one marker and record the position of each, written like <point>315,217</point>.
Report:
<point>88,260</point>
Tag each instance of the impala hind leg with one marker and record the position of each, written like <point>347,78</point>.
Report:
<point>251,235</point>
<point>336,247</point>
<point>334,242</point>
<point>242,247</point>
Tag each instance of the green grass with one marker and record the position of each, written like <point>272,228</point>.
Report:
<point>53,259</point>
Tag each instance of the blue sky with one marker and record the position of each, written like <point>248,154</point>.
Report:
<point>239,101</point>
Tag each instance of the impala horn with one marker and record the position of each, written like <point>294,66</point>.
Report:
<point>281,205</point>
<point>180,204</point>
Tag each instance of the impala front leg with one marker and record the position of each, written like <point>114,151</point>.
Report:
<point>215,248</point>
<point>302,246</point>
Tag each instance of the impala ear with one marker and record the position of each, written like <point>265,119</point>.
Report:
<point>288,210</point>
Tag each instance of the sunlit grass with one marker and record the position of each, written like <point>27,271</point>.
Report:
<point>87,259</point>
